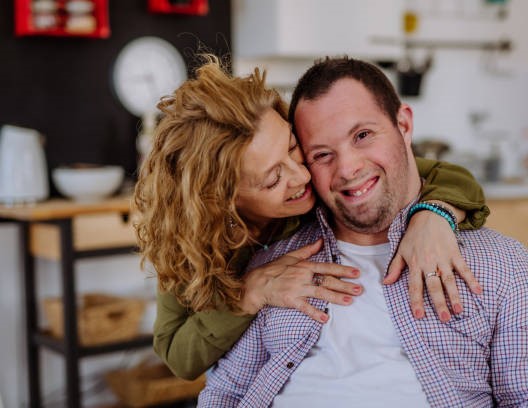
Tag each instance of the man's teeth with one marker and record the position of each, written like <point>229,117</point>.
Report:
<point>358,193</point>
<point>298,194</point>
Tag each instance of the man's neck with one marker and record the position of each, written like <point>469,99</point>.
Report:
<point>364,239</point>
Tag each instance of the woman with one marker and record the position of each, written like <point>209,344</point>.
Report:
<point>226,178</point>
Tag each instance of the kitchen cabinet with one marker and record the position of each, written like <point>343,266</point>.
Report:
<point>65,231</point>
<point>315,28</point>
<point>510,217</point>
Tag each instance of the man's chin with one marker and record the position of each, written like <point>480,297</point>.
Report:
<point>367,221</point>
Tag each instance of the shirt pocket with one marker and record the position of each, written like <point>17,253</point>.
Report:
<point>473,328</point>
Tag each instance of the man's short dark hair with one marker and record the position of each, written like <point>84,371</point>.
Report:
<point>324,73</point>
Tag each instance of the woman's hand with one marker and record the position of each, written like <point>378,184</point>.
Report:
<point>289,281</point>
<point>430,246</point>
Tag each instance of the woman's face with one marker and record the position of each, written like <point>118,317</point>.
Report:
<point>274,183</point>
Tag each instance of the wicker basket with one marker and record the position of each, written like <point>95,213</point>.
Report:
<point>146,385</point>
<point>100,319</point>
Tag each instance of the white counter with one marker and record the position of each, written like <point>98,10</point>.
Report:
<point>495,191</point>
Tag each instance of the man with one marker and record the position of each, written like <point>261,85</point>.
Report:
<point>356,136</point>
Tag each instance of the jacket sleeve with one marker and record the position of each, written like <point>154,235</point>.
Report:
<point>190,343</point>
<point>509,348</point>
<point>230,379</point>
<point>456,186</point>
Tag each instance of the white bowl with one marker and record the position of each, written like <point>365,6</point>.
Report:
<point>87,184</point>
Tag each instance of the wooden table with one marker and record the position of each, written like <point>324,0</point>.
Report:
<point>64,231</point>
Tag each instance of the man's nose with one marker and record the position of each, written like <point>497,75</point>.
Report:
<point>348,164</point>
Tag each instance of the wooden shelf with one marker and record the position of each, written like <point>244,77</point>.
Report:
<point>61,208</point>
<point>46,340</point>
<point>65,231</point>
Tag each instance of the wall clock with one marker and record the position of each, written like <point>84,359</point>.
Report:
<point>146,69</point>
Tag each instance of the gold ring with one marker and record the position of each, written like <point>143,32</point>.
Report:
<point>431,274</point>
<point>317,279</point>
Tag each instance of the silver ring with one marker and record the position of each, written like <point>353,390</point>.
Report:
<point>431,274</point>
<point>317,279</point>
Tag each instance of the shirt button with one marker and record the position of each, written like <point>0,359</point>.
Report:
<point>335,258</point>
<point>290,365</point>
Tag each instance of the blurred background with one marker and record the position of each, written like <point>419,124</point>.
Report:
<point>79,80</point>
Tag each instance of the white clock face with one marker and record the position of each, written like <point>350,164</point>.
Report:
<point>146,69</point>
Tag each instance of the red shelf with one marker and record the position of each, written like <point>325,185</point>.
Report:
<point>24,21</point>
<point>194,7</point>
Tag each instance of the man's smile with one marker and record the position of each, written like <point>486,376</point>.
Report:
<point>360,190</point>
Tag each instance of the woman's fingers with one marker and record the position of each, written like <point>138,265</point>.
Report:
<point>304,252</point>
<point>340,271</point>
<point>395,270</point>
<point>337,298</point>
<point>436,293</point>
<point>323,293</point>
<point>416,296</point>
<point>341,286</point>
<point>311,311</point>
<point>450,288</point>
<point>460,266</point>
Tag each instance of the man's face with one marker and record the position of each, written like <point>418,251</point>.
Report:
<point>361,163</point>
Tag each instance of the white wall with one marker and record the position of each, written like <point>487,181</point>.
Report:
<point>460,81</point>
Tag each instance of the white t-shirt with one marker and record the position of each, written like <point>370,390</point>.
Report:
<point>358,360</point>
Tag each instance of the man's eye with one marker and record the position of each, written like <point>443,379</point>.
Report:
<point>321,157</point>
<point>363,134</point>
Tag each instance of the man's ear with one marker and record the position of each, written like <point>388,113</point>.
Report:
<point>405,122</point>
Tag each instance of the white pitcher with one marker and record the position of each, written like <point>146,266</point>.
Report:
<point>23,169</point>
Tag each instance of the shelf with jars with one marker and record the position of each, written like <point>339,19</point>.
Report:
<point>62,18</point>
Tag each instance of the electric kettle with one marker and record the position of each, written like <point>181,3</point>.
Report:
<point>23,169</point>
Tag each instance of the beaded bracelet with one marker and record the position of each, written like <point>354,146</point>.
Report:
<point>440,210</point>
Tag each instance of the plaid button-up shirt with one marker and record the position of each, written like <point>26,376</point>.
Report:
<point>477,359</point>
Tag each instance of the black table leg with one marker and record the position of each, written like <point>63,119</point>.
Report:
<point>32,350</point>
<point>71,354</point>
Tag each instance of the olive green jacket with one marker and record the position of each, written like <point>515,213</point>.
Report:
<point>189,343</point>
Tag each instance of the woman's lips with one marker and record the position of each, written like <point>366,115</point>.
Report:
<point>301,194</point>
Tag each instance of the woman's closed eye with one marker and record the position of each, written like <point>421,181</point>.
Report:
<point>294,147</point>
<point>275,181</point>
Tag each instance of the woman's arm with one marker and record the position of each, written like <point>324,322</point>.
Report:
<point>430,245</point>
<point>456,186</point>
<point>190,343</point>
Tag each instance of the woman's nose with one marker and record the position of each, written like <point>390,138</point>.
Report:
<point>300,174</point>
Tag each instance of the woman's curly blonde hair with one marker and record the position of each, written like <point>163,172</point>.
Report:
<point>187,185</point>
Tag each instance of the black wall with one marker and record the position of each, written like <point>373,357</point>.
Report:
<point>61,86</point>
